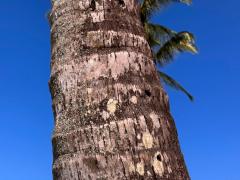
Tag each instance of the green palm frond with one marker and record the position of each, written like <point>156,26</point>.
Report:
<point>183,41</point>
<point>174,84</point>
<point>156,34</point>
<point>148,7</point>
<point>164,42</point>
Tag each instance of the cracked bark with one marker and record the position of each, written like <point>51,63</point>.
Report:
<point>112,117</point>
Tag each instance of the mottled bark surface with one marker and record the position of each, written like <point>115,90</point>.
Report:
<point>112,117</point>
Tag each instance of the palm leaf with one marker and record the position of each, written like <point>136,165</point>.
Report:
<point>164,42</point>
<point>157,33</point>
<point>183,41</point>
<point>148,7</point>
<point>174,84</point>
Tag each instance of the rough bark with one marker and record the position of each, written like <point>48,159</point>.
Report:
<point>112,117</point>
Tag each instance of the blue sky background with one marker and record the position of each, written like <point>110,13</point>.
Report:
<point>209,128</point>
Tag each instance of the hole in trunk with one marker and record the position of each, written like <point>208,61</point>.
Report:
<point>93,5</point>
<point>159,157</point>
<point>148,93</point>
<point>121,2</point>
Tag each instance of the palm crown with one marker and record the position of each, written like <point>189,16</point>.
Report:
<point>165,43</point>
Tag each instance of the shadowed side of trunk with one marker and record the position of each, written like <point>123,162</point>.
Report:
<point>112,117</point>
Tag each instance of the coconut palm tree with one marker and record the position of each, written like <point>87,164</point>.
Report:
<point>112,118</point>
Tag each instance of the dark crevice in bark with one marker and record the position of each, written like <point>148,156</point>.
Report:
<point>112,15</point>
<point>121,2</point>
<point>148,93</point>
<point>159,157</point>
<point>93,5</point>
<point>109,24</point>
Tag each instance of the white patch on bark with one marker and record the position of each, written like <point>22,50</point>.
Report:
<point>131,167</point>
<point>142,123</point>
<point>96,39</point>
<point>112,106</point>
<point>89,90</point>
<point>155,120</point>
<point>93,67</point>
<point>136,89</point>
<point>97,16</point>
<point>134,99</point>
<point>169,169</point>
<point>139,136</point>
<point>91,62</point>
<point>140,168</point>
<point>149,173</point>
<point>147,140</point>
<point>157,164</point>
<point>105,115</point>
<point>165,157</point>
<point>120,64</point>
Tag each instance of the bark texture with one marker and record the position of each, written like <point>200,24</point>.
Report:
<point>112,117</point>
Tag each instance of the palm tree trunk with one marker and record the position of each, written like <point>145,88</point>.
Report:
<point>112,117</point>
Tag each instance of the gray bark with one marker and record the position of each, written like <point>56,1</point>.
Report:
<point>112,117</point>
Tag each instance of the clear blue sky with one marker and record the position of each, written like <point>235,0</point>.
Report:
<point>209,128</point>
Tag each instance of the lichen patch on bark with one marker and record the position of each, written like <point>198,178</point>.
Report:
<point>147,140</point>
<point>131,168</point>
<point>134,99</point>
<point>140,168</point>
<point>112,106</point>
